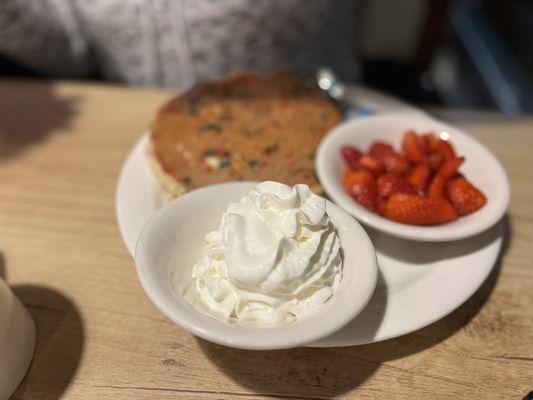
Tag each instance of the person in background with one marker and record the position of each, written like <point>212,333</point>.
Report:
<point>175,43</point>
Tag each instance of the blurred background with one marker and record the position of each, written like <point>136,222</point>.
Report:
<point>458,54</point>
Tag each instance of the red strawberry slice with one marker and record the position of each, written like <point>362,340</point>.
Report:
<point>414,149</point>
<point>381,202</point>
<point>361,186</point>
<point>418,210</point>
<point>447,150</point>
<point>433,142</point>
<point>435,160</point>
<point>372,164</point>
<point>423,143</point>
<point>378,150</point>
<point>447,170</point>
<point>419,176</point>
<point>390,184</point>
<point>351,156</point>
<point>436,187</point>
<point>396,164</point>
<point>465,197</point>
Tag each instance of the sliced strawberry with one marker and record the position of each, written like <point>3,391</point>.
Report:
<point>378,150</point>
<point>359,177</point>
<point>435,160</point>
<point>465,197</point>
<point>419,176</point>
<point>371,164</point>
<point>433,142</point>
<point>423,143</point>
<point>349,177</point>
<point>396,164</point>
<point>436,187</point>
<point>389,184</point>
<point>351,156</point>
<point>413,148</point>
<point>447,150</point>
<point>418,210</point>
<point>447,170</point>
<point>361,186</point>
<point>381,203</point>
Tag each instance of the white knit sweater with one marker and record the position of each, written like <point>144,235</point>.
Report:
<point>175,43</point>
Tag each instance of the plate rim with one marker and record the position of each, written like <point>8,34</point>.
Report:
<point>123,177</point>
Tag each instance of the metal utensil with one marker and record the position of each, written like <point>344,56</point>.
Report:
<point>331,84</point>
<point>334,88</point>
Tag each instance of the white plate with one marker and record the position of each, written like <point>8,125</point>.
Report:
<point>480,166</point>
<point>138,195</point>
<point>418,283</point>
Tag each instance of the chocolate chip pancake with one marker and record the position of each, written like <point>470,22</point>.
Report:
<point>246,127</point>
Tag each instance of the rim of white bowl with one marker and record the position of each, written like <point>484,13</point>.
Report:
<point>478,222</point>
<point>261,338</point>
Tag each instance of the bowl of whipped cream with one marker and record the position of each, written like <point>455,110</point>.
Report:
<point>256,265</point>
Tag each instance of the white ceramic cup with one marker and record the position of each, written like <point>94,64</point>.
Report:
<point>17,341</point>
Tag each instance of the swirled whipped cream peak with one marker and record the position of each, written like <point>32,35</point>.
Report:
<point>275,258</point>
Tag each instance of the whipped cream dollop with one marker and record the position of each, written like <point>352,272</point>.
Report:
<point>275,258</point>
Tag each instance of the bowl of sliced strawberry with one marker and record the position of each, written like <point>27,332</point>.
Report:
<point>413,176</point>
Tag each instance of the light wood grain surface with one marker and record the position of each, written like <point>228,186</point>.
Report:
<point>99,337</point>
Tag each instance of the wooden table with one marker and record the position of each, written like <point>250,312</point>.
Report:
<point>98,335</point>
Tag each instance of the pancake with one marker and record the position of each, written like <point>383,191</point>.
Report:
<point>246,127</point>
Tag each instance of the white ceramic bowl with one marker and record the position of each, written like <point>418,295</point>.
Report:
<point>173,241</point>
<point>481,167</point>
